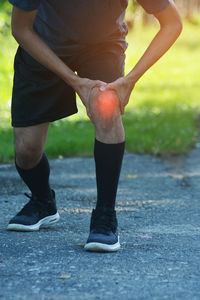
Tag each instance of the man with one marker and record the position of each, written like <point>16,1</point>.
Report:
<point>57,39</point>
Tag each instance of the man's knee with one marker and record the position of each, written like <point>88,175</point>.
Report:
<point>27,154</point>
<point>29,145</point>
<point>105,109</point>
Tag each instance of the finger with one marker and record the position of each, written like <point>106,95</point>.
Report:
<point>102,88</point>
<point>88,112</point>
<point>113,88</point>
<point>100,83</point>
<point>110,86</point>
<point>121,108</point>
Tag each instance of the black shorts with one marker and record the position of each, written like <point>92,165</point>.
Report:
<point>41,96</point>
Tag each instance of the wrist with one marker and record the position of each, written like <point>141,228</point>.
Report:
<point>73,80</point>
<point>130,80</point>
<point>133,76</point>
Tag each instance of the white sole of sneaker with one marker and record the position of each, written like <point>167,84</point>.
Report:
<point>42,223</point>
<point>99,247</point>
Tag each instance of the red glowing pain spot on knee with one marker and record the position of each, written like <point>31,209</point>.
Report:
<point>107,103</point>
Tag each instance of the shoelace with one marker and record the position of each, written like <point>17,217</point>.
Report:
<point>28,195</point>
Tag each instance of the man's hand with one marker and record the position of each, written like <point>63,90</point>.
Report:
<point>123,87</point>
<point>84,87</point>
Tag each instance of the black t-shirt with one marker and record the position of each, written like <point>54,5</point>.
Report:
<point>67,25</point>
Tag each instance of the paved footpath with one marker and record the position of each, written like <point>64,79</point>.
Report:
<point>158,208</point>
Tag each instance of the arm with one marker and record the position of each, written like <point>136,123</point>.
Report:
<point>170,29</point>
<point>23,32</point>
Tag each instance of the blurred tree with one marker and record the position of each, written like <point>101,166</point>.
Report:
<point>5,12</point>
<point>188,8</point>
<point>135,12</point>
<point>2,2</point>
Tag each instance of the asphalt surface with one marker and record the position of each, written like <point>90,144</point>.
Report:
<point>158,206</point>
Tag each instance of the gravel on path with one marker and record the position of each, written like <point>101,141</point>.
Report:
<point>158,207</point>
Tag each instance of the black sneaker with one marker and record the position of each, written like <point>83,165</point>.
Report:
<point>34,214</point>
<point>103,235</point>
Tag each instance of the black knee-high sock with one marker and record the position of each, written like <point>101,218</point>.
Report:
<point>37,178</point>
<point>108,160</point>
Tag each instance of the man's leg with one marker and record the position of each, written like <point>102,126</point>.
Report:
<point>33,167</point>
<point>108,154</point>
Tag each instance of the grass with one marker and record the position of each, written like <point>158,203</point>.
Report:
<point>160,117</point>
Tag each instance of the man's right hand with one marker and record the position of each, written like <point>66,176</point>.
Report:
<point>84,87</point>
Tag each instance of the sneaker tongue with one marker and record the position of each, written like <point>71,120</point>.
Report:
<point>41,199</point>
<point>103,222</point>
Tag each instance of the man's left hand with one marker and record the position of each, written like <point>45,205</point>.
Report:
<point>123,87</point>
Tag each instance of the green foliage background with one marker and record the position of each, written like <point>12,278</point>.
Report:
<point>162,114</point>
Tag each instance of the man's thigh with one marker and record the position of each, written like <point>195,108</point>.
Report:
<point>39,95</point>
<point>31,136</point>
<point>105,63</point>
